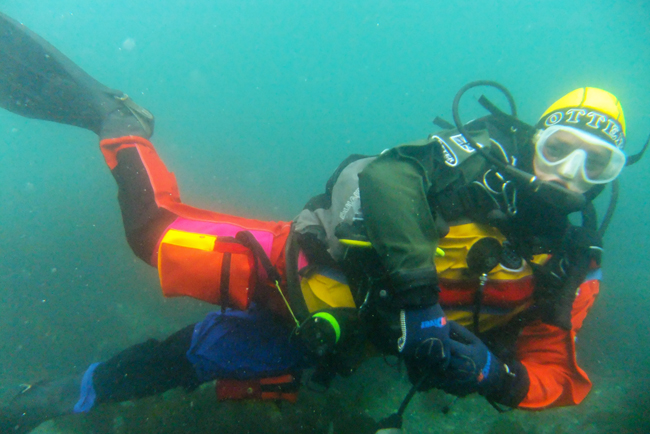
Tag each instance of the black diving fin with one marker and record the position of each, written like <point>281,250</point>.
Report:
<point>38,81</point>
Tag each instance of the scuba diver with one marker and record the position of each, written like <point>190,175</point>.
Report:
<point>454,253</point>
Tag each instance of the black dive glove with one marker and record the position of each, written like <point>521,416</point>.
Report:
<point>473,368</point>
<point>558,280</point>
<point>425,336</point>
<point>425,332</point>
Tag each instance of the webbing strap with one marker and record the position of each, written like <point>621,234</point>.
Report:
<point>249,241</point>
<point>295,301</point>
<point>224,284</point>
<point>294,292</point>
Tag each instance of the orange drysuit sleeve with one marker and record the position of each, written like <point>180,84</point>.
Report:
<point>549,355</point>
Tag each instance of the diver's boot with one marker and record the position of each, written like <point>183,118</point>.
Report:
<point>38,81</point>
<point>38,403</point>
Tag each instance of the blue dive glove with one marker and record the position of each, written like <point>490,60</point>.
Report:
<point>425,337</point>
<point>473,368</point>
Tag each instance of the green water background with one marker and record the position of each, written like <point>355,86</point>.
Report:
<point>256,102</point>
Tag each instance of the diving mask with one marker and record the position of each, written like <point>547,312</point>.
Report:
<point>576,158</point>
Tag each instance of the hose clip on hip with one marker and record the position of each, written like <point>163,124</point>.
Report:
<point>321,333</point>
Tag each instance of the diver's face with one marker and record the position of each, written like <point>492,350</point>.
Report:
<point>575,159</point>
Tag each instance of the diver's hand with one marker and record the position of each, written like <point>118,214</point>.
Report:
<point>582,244</point>
<point>579,252</point>
<point>473,368</point>
<point>425,337</point>
<point>580,248</point>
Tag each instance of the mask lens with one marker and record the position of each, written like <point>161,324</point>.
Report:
<point>603,161</point>
<point>556,149</point>
<point>597,161</point>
